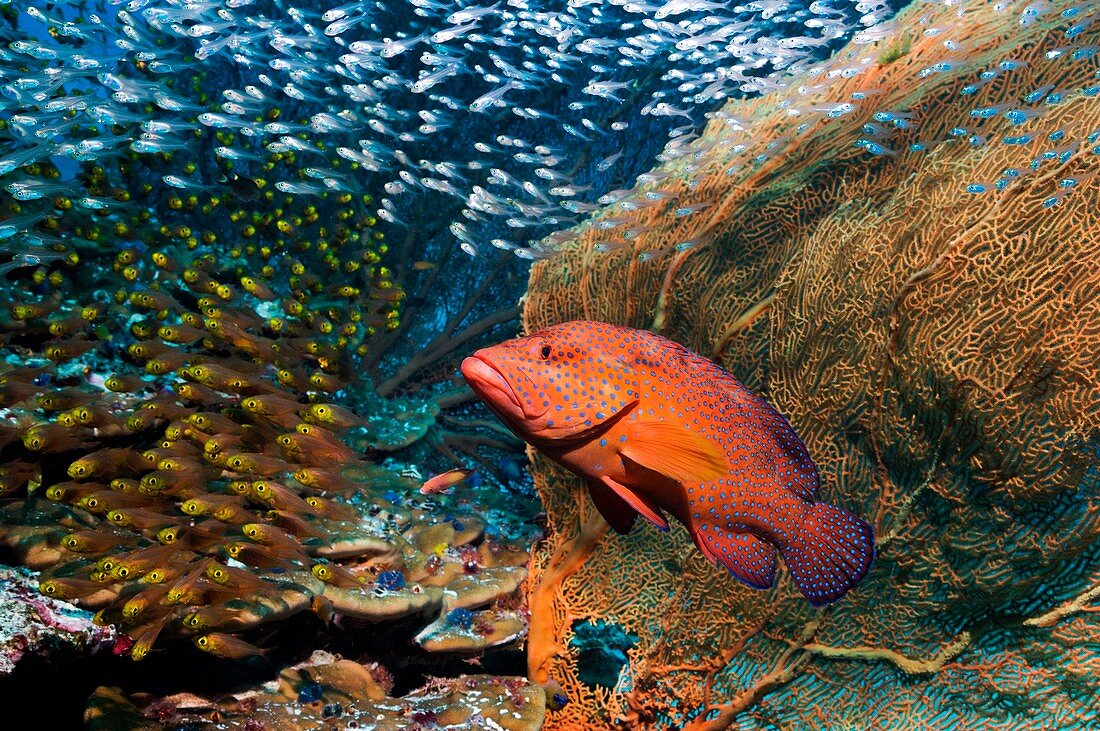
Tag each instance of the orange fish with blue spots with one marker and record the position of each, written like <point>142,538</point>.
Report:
<point>658,430</point>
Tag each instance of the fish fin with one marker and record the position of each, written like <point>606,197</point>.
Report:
<point>797,472</point>
<point>613,508</point>
<point>829,553</point>
<point>645,507</point>
<point>677,453</point>
<point>749,558</point>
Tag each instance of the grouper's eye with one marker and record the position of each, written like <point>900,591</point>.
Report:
<point>545,352</point>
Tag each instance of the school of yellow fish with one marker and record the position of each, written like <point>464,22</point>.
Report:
<point>206,487</point>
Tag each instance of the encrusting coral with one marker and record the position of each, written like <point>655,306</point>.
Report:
<point>900,251</point>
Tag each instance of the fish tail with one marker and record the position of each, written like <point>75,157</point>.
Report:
<point>830,553</point>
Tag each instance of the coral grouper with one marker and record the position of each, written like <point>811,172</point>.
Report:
<point>655,428</point>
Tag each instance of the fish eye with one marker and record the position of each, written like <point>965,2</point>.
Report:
<point>545,352</point>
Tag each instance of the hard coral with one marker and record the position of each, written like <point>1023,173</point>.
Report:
<point>910,279</point>
<point>306,695</point>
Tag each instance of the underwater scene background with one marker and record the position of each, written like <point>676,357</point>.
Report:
<point>245,246</point>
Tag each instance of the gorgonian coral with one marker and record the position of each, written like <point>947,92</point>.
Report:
<point>900,251</point>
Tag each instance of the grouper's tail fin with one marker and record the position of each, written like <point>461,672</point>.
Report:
<point>830,553</point>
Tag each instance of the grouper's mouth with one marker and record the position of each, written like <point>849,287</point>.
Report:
<point>495,390</point>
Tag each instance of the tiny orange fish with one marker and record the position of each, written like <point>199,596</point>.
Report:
<point>322,479</point>
<point>443,480</point>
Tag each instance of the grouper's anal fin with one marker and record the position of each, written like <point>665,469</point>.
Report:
<point>749,558</point>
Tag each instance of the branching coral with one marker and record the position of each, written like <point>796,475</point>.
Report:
<point>900,251</point>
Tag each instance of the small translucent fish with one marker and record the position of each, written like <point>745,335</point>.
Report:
<point>226,646</point>
<point>337,575</point>
<point>653,255</point>
<point>1057,198</point>
<point>494,97</point>
<point>689,244</point>
<point>1021,116</point>
<point>687,210</point>
<point>606,163</point>
<point>874,148</point>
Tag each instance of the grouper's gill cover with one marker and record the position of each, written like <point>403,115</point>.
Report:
<point>557,387</point>
<point>655,428</point>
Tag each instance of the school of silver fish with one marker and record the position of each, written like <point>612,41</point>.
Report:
<point>518,117</point>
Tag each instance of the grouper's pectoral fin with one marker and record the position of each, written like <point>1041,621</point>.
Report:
<point>672,450</point>
<point>749,558</point>
<point>618,514</point>
<point>640,503</point>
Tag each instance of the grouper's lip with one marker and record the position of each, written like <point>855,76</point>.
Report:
<point>493,388</point>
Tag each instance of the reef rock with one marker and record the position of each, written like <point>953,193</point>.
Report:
<point>327,692</point>
<point>34,624</point>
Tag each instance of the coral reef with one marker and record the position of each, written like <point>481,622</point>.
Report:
<point>325,691</point>
<point>900,251</point>
<point>34,624</point>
